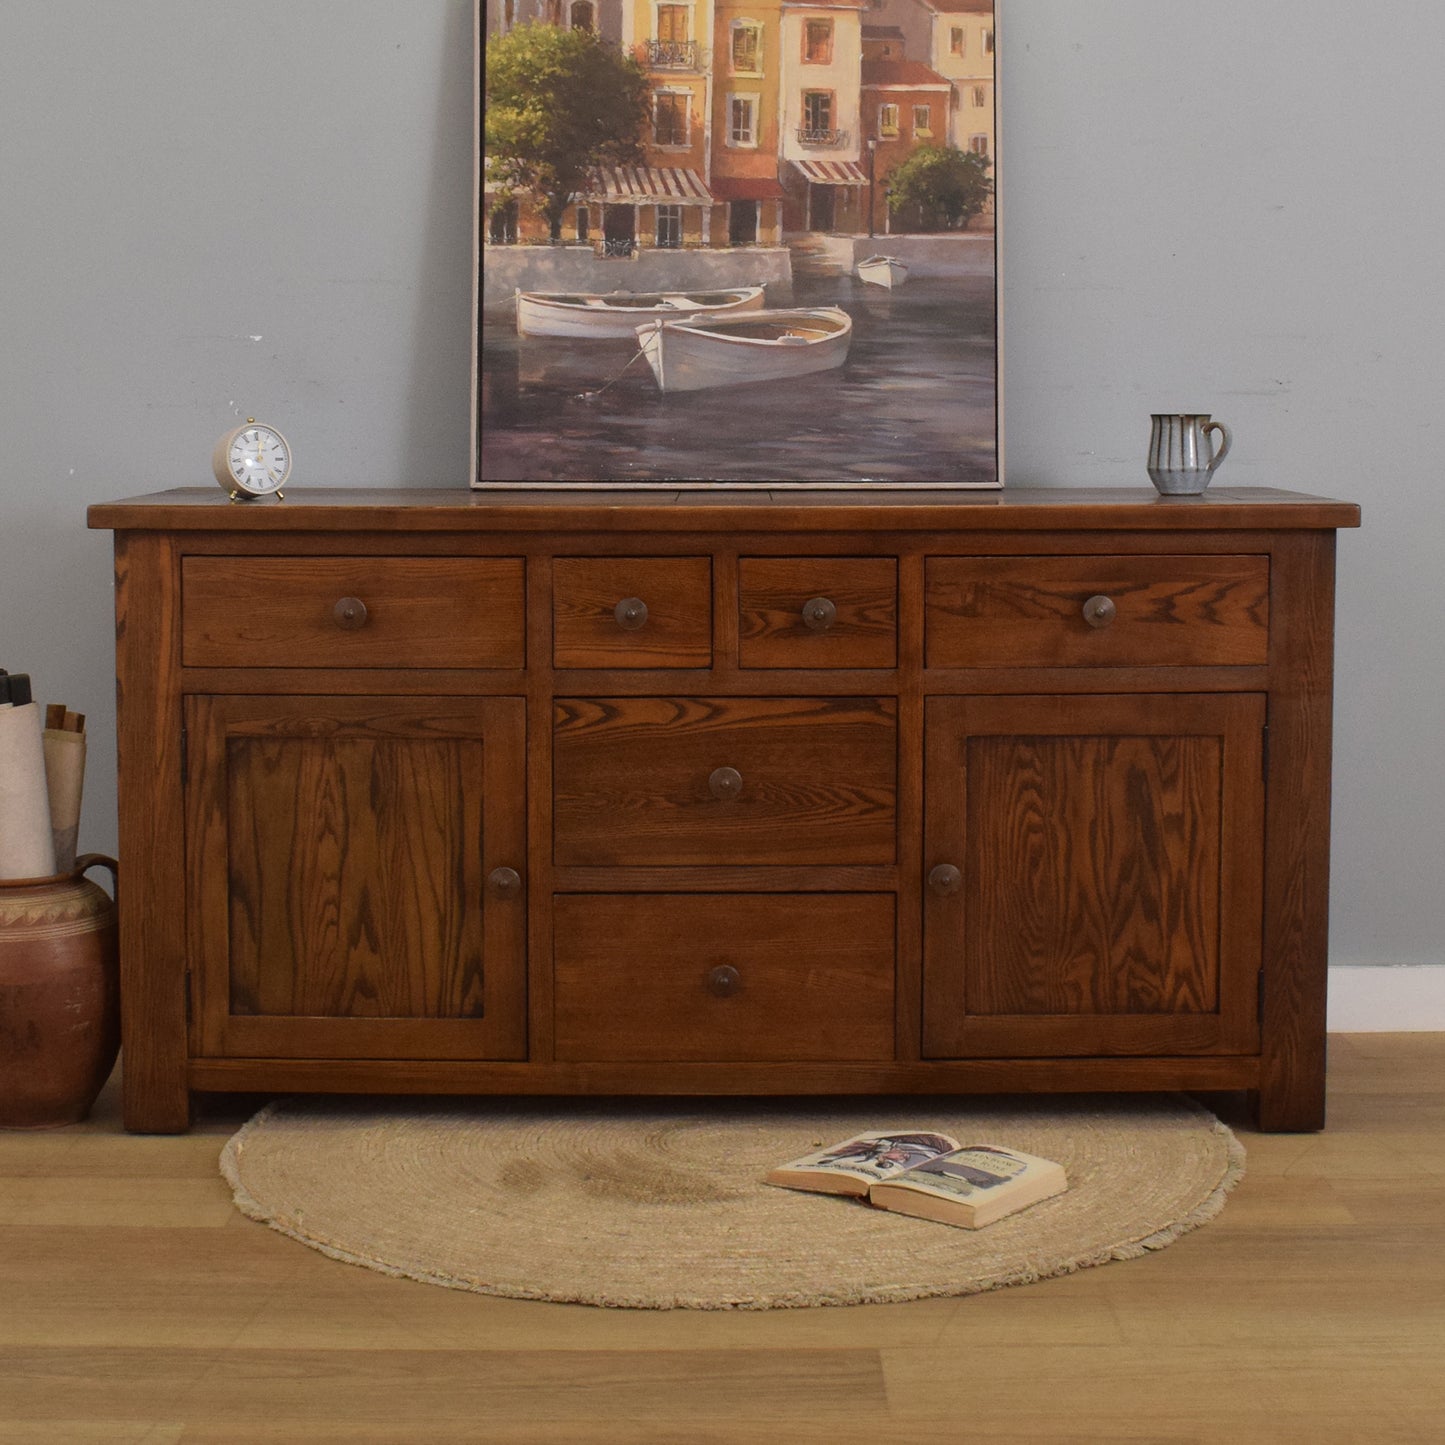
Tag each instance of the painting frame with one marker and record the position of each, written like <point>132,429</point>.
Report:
<point>888,90</point>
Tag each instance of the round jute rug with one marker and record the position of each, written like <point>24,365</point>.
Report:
<point>660,1205</point>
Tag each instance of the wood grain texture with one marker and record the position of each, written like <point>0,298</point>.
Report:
<point>1171,611</point>
<point>631,781</point>
<point>340,858</point>
<point>1311,1310</point>
<point>152,919</point>
<point>833,801</point>
<point>1110,859</point>
<point>773,590</point>
<point>677,592</point>
<point>813,977</point>
<point>419,612</point>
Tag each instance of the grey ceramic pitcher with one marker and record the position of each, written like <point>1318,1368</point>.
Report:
<point>1182,457</point>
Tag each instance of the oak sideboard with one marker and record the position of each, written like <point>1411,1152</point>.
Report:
<point>724,792</point>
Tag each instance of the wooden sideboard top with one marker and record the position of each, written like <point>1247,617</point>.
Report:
<point>436,509</point>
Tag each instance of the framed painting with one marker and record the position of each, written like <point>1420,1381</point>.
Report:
<point>737,242</point>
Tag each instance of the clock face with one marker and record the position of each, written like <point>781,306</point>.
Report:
<point>258,459</point>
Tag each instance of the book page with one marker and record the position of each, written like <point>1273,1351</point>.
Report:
<point>968,1172</point>
<point>876,1156</point>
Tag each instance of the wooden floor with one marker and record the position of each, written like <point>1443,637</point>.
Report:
<point>137,1305</point>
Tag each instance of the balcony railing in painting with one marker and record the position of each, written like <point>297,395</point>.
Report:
<point>821,136</point>
<point>673,54</point>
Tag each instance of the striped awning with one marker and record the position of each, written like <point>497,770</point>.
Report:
<point>647,185</point>
<point>833,173</point>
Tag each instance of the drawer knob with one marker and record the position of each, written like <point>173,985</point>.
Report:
<point>725,783</point>
<point>819,614</point>
<point>724,981</point>
<point>349,614</point>
<point>504,882</point>
<point>630,613</point>
<point>945,879</point>
<point>1099,611</point>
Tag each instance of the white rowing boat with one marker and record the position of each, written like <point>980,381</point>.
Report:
<point>730,350</point>
<point>618,313</point>
<point>886,271</point>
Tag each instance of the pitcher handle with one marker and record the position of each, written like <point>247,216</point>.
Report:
<point>87,861</point>
<point>1223,452</point>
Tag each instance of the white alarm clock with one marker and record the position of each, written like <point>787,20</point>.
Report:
<point>252,461</point>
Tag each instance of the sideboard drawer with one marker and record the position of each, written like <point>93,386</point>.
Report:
<point>1097,611</point>
<point>723,977</point>
<point>744,780</point>
<point>817,611</point>
<point>632,612</point>
<point>353,612</point>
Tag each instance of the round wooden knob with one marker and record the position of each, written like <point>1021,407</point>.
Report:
<point>945,879</point>
<point>630,613</point>
<point>819,614</point>
<point>349,614</point>
<point>724,981</point>
<point>504,882</point>
<point>1099,611</point>
<point>725,783</point>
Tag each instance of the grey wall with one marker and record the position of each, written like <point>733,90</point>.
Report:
<point>212,210</point>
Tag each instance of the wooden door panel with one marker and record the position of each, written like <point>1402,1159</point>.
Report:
<point>339,852</point>
<point>1110,860</point>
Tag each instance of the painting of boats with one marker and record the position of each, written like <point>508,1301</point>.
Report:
<point>769,346</point>
<point>886,271</point>
<point>619,313</point>
<point>737,245</point>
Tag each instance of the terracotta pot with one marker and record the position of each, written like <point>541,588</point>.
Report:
<point>59,996</point>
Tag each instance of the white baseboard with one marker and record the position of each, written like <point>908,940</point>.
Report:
<point>1386,998</point>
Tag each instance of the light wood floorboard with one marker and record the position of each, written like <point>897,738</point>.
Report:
<point>137,1307</point>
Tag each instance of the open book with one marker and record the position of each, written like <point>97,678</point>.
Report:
<point>928,1175</point>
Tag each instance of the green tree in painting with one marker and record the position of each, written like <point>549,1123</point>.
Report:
<point>939,188</point>
<point>559,102</point>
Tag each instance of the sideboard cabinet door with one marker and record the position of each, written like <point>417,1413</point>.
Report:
<point>356,877</point>
<point>1093,875</point>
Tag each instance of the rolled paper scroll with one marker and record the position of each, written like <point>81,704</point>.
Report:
<point>64,781</point>
<point>27,848</point>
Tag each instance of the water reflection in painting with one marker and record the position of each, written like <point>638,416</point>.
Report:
<point>914,400</point>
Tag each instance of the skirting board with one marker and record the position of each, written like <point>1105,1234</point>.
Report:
<point>1382,998</point>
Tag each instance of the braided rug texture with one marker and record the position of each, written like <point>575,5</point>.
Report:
<point>661,1205</point>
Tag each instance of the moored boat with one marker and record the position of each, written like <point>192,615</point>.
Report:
<point>731,350</point>
<point>886,271</point>
<point>618,313</point>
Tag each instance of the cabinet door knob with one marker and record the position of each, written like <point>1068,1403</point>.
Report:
<point>945,879</point>
<point>724,981</point>
<point>630,613</point>
<point>349,614</point>
<point>819,614</point>
<point>505,882</point>
<point>1099,611</point>
<point>725,783</point>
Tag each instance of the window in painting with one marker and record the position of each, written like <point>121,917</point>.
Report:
<point>742,120</point>
<point>888,120</point>
<point>980,97</point>
<point>818,42</point>
<point>988,42</point>
<point>955,40</point>
<point>978,144</point>
<point>581,15</point>
<point>672,22</point>
<point>669,227</point>
<point>747,47</point>
<point>923,121</point>
<point>670,118</point>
